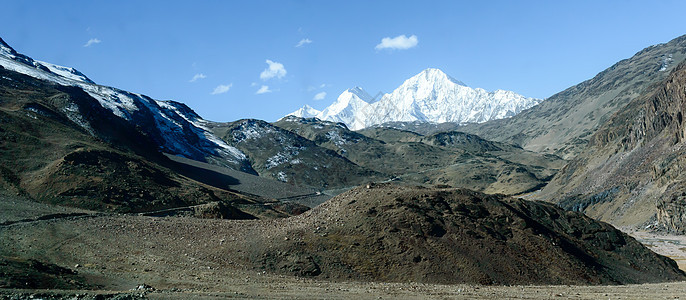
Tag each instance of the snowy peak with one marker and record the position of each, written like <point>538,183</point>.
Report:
<point>360,93</point>
<point>434,76</point>
<point>354,96</point>
<point>347,107</point>
<point>67,72</point>
<point>342,110</point>
<point>305,112</point>
<point>9,53</point>
<point>430,96</point>
<point>6,50</point>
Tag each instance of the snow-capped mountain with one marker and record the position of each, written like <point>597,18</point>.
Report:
<point>173,126</point>
<point>305,112</point>
<point>430,96</point>
<point>347,107</point>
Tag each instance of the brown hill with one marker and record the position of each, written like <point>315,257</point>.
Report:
<point>384,233</point>
<point>393,233</point>
<point>631,172</point>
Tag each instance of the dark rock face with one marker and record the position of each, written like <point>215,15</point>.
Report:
<point>630,173</point>
<point>393,233</point>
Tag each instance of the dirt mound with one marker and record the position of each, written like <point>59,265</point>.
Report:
<point>392,233</point>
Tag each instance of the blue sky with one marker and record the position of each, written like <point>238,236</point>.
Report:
<point>235,49</point>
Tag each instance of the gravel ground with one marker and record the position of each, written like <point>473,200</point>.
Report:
<point>670,245</point>
<point>184,258</point>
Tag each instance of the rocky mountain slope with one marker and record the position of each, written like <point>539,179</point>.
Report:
<point>48,155</point>
<point>67,141</point>
<point>630,172</point>
<point>430,96</point>
<point>285,156</point>
<point>452,158</point>
<point>174,127</point>
<point>564,123</point>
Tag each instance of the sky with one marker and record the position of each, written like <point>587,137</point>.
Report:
<point>230,60</point>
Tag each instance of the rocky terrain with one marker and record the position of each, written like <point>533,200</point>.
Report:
<point>110,194</point>
<point>282,155</point>
<point>112,166</point>
<point>630,174</point>
<point>385,233</point>
<point>450,158</point>
<point>564,123</point>
<point>394,233</point>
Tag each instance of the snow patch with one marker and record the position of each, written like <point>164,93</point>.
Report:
<point>336,138</point>
<point>277,160</point>
<point>66,72</point>
<point>666,61</point>
<point>281,176</point>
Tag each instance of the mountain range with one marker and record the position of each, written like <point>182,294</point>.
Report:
<point>362,187</point>
<point>430,96</point>
<point>311,154</point>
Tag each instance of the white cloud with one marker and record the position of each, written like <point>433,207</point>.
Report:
<point>313,88</point>
<point>319,96</point>
<point>92,42</point>
<point>222,88</point>
<point>303,42</point>
<point>400,42</point>
<point>264,89</point>
<point>275,69</point>
<point>197,76</point>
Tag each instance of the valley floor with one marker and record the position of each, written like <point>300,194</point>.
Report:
<point>672,246</point>
<point>270,287</point>
<point>186,258</point>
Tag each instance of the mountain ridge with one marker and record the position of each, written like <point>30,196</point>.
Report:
<point>175,127</point>
<point>629,173</point>
<point>563,123</point>
<point>430,96</point>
